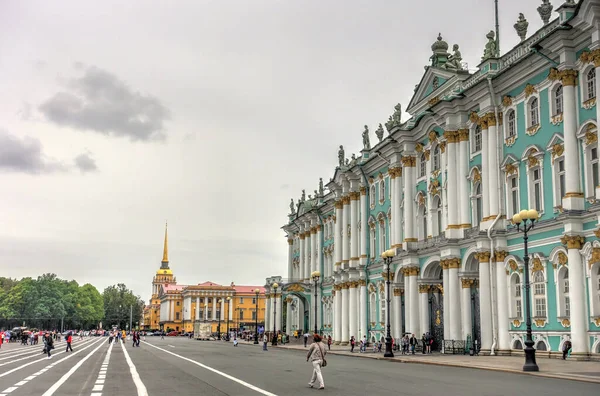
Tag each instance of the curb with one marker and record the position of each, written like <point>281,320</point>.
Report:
<point>460,365</point>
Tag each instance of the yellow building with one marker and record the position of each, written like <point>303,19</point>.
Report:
<point>178,307</point>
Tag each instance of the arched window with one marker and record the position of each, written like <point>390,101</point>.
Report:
<point>513,196</point>
<point>382,302</point>
<point>382,191</point>
<point>372,196</point>
<point>558,100</point>
<point>595,290</point>
<point>539,294</point>
<point>422,224</point>
<point>372,241</point>
<point>422,165</point>
<point>541,346</point>
<point>477,205</point>
<point>382,236</point>
<point>563,293</point>
<point>437,216</point>
<point>436,158</point>
<point>591,83</point>
<point>534,112</point>
<point>512,124</point>
<point>372,308</point>
<point>476,140</point>
<point>359,243</point>
<point>537,189</point>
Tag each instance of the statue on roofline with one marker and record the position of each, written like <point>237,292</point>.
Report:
<point>491,50</point>
<point>321,189</point>
<point>366,141</point>
<point>379,132</point>
<point>303,198</point>
<point>292,207</point>
<point>341,156</point>
<point>395,119</point>
<point>454,60</point>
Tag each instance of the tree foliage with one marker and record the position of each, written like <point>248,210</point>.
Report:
<point>49,302</point>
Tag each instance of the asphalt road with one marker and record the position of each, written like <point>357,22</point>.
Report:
<point>179,366</point>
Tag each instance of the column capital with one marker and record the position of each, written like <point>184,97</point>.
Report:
<point>490,119</point>
<point>483,257</point>
<point>500,255</point>
<point>410,271</point>
<point>463,135</point>
<point>354,195</point>
<point>338,204</point>
<point>398,291</point>
<point>444,264</point>
<point>362,282</point>
<point>395,172</point>
<point>451,136</point>
<point>424,288</point>
<point>384,275</point>
<point>443,147</point>
<point>595,257</point>
<point>468,282</point>
<point>573,241</point>
<point>344,285</point>
<point>409,161</point>
<point>290,241</point>
<point>568,77</point>
<point>453,262</point>
<point>319,227</point>
<point>363,190</point>
<point>346,200</point>
<point>301,236</point>
<point>352,284</point>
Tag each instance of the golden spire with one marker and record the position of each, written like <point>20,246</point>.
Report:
<point>165,258</point>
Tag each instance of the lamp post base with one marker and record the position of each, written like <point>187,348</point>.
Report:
<point>530,364</point>
<point>388,348</point>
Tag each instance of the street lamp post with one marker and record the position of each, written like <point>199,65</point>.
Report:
<point>275,286</point>
<point>219,325</point>
<point>315,277</point>
<point>256,293</point>
<point>519,219</point>
<point>228,308</point>
<point>387,256</point>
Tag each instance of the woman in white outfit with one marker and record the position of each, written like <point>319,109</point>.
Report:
<point>316,355</point>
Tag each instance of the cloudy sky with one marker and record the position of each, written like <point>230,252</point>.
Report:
<point>118,116</point>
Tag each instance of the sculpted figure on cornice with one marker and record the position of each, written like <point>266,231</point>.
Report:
<point>395,119</point>
<point>353,161</point>
<point>341,156</point>
<point>454,60</point>
<point>545,11</point>
<point>321,189</point>
<point>292,207</point>
<point>366,141</point>
<point>303,197</point>
<point>379,132</point>
<point>521,26</point>
<point>491,49</point>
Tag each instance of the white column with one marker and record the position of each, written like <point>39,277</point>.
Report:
<point>288,319</point>
<point>453,205</point>
<point>206,309</point>
<point>278,312</point>
<point>443,146</point>
<point>214,308</point>
<point>424,309</point>
<point>345,239</point>
<point>290,257</point>
<point>466,308</point>
<point>392,219</point>
<point>414,302</point>
<point>492,165</point>
<point>307,250</point>
<point>577,294</point>
<point>407,284</point>
<point>396,202</point>
<point>574,196</point>
<point>302,256</point>
<point>502,303</point>
<point>345,314</point>
<point>463,173</point>
<point>485,171</point>
<point>354,255</point>
<point>230,309</point>
<point>397,312</point>
<point>339,220</point>
<point>409,195</point>
<point>222,310</point>
<point>363,309</point>
<point>454,297</point>
<point>337,318</point>
<point>187,308</point>
<point>197,308</point>
<point>485,301</point>
<point>446,300</point>
<point>353,311</point>
<point>268,312</point>
<point>313,250</point>
<point>429,212</point>
<point>364,228</point>
<point>320,254</point>
<point>169,311</point>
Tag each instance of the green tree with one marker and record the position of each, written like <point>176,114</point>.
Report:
<point>119,304</point>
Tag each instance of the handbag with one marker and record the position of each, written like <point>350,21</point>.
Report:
<point>324,362</point>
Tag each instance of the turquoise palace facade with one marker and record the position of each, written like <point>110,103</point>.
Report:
<point>441,187</point>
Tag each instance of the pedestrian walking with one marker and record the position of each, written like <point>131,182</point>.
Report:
<point>48,344</point>
<point>352,344</point>
<point>69,341</point>
<point>329,343</point>
<point>235,341</point>
<point>265,340</point>
<point>316,355</point>
<point>413,343</point>
<point>566,349</point>
<point>305,339</point>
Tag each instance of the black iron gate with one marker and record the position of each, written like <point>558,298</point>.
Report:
<point>475,319</point>
<point>437,321</point>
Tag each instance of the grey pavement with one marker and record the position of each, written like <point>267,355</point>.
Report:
<point>179,366</point>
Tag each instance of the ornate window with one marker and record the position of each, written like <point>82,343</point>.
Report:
<point>512,202</point>
<point>539,294</point>
<point>437,216</point>
<point>358,229</point>
<point>372,196</point>
<point>477,205</point>
<point>558,100</point>
<point>382,302</point>
<point>564,303</point>
<point>382,235</point>
<point>422,222</point>
<point>373,307</point>
<point>516,296</point>
<point>512,124</point>
<point>476,140</point>
<point>591,83</point>
<point>559,181</point>
<point>422,165</point>
<point>534,112</point>
<point>588,135</point>
<point>594,166</point>
<point>437,163</point>
<point>382,191</point>
<point>372,242</point>
<point>537,189</point>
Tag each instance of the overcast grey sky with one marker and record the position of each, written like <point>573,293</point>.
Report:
<point>116,116</point>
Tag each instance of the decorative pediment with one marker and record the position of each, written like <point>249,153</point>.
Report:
<point>508,160</point>
<point>294,287</point>
<point>433,79</point>
<point>556,139</point>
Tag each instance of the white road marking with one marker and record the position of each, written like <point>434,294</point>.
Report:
<point>172,346</point>
<point>99,385</point>
<point>30,354</point>
<point>230,377</point>
<point>42,371</point>
<point>44,358</point>
<point>69,373</point>
<point>141,388</point>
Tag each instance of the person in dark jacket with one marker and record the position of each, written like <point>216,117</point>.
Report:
<point>48,344</point>
<point>69,341</point>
